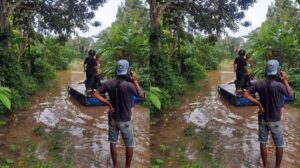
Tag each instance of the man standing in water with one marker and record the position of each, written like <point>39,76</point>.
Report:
<point>121,93</point>
<point>89,67</point>
<point>239,69</point>
<point>271,91</point>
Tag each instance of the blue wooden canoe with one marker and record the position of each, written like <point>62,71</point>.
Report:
<point>78,92</point>
<point>229,93</point>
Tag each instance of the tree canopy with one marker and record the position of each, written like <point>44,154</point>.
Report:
<point>184,18</point>
<point>60,17</point>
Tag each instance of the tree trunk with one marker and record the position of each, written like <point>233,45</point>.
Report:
<point>154,29</point>
<point>3,15</point>
<point>22,47</point>
<point>154,40</point>
<point>4,25</point>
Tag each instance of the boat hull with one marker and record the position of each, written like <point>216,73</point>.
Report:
<point>229,93</point>
<point>78,92</point>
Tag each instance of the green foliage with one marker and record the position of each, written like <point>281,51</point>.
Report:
<point>173,73</point>
<point>297,100</point>
<point>6,163</point>
<point>127,38</point>
<point>2,122</point>
<point>208,55</point>
<point>233,44</point>
<point>39,130</point>
<point>123,42</point>
<point>60,17</point>
<point>80,46</point>
<point>5,96</point>
<point>194,71</point>
<point>25,71</point>
<point>55,142</point>
<point>172,32</point>
<point>43,71</point>
<point>153,96</point>
<point>189,129</point>
<point>294,77</point>
<point>28,57</point>
<point>163,148</point>
<point>13,148</point>
<point>13,75</point>
<point>57,55</point>
<point>206,141</point>
<point>157,163</point>
<point>278,38</point>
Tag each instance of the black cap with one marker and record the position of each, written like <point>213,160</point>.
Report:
<point>242,52</point>
<point>92,52</point>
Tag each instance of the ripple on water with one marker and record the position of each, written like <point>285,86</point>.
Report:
<point>76,131</point>
<point>197,117</point>
<point>46,117</point>
<point>226,131</point>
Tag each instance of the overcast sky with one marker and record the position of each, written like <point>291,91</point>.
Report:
<point>107,14</point>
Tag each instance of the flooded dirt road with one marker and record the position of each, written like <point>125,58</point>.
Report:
<point>236,128</point>
<point>86,127</point>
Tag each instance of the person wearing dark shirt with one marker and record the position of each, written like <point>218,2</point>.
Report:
<point>271,93</point>
<point>121,92</point>
<point>239,69</point>
<point>90,70</point>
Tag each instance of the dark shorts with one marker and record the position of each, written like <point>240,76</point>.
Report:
<point>276,130</point>
<point>126,130</point>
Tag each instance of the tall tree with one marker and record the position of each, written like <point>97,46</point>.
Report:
<point>210,17</point>
<point>60,17</point>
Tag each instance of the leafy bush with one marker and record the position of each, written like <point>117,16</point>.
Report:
<point>43,71</point>
<point>12,75</point>
<point>193,70</point>
<point>56,54</point>
<point>208,55</point>
<point>153,95</point>
<point>278,38</point>
<point>25,73</point>
<point>294,77</point>
<point>5,96</point>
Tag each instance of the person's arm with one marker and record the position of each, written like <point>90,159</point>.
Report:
<point>104,100</point>
<point>248,96</point>
<point>234,66</point>
<point>137,85</point>
<point>84,66</point>
<point>286,83</point>
<point>95,66</point>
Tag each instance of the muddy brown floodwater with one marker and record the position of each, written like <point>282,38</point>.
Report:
<point>86,126</point>
<point>236,127</point>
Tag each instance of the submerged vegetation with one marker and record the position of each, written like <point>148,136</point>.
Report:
<point>53,143</point>
<point>207,152</point>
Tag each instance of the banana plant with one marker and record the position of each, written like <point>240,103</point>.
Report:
<point>5,94</point>
<point>153,96</point>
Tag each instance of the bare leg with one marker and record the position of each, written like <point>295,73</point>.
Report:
<point>114,155</point>
<point>279,153</point>
<point>264,155</point>
<point>129,154</point>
